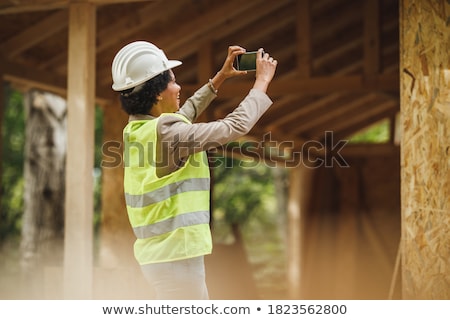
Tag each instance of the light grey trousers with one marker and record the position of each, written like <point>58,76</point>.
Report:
<point>178,280</point>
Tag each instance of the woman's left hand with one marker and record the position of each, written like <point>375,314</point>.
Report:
<point>228,70</point>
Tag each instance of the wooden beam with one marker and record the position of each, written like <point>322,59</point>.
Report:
<point>319,103</point>
<point>351,83</point>
<point>22,6</point>
<point>35,34</point>
<point>294,234</point>
<point>333,55</point>
<point>339,22</point>
<point>371,37</point>
<point>32,6</point>
<point>78,240</point>
<point>32,77</point>
<point>214,18</point>
<point>2,114</point>
<point>254,149</point>
<point>351,129</point>
<point>121,29</point>
<point>304,38</point>
<point>287,141</point>
<point>117,238</point>
<point>247,20</point>
<point>127,25</point>
<point>29,77</point>
<point>227,105</point>
<point>105,2</point>
<point>346,233</point>
<point>350,150</point>
<point>369,150</point>
<point>358,121</point>
<point>331,115</point>
<point>181,43</point>
<point>205,61</point>
<point>316,85</point>
<point>205,67</point>
<point>124,29</point>
<point>285,100</point>
<point>273,120</point>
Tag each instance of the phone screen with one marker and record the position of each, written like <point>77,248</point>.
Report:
<point>246,61</point>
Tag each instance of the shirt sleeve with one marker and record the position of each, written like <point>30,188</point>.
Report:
<point>180,139</point>
<point>197,103</point>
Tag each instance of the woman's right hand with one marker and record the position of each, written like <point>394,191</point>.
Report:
<point>265,70</point>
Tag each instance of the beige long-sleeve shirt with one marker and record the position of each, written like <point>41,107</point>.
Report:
<point>178,139</point>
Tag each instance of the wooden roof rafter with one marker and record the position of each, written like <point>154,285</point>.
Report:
<point>328,51</point>
<point>23,6</point>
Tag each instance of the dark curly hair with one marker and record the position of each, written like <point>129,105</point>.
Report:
<point>140,99</point>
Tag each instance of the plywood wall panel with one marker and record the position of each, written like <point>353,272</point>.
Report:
<point>425,156</point>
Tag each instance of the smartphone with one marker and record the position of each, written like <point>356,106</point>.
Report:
<point>246,61</point>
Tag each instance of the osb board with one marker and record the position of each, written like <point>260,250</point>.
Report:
<point>425,156</point>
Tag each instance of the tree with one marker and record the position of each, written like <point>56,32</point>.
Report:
<point>13,139</point>
<point>248,215</point>
<point>45,153</point>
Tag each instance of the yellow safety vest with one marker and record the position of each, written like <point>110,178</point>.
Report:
<point>169,215</point>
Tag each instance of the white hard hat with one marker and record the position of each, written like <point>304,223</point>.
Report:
<point>138,62</point>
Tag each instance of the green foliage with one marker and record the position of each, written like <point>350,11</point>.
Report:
<point>244,194</point>
<point>242,189</point>
<point>377,133</point>
<point>98,137</point>
<point>12,182</point>
<point>13,140</point>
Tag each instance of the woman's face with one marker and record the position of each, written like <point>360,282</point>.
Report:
<point>170,101</point>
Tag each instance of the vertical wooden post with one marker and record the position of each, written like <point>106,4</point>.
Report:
<point>116,245</point>
<point>117,275</point>
<point>304,38</point>
<point>371,37</point>
<point>346,263</point>
<point>294,234</point>
<point>425,151</point>
<point>2,114</point>
<point>299,187</point>
<point>78,241</point>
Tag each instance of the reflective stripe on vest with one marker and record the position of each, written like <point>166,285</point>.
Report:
<point>146,199</point>
<point>181,220</point>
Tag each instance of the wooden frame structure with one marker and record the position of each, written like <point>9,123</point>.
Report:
<point>339,72</point>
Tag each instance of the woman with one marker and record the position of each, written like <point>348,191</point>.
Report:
<point>167,182</point>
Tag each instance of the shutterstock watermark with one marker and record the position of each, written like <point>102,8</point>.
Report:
<point>311,153</point>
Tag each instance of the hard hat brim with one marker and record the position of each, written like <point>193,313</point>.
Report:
<point>169,65</point>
